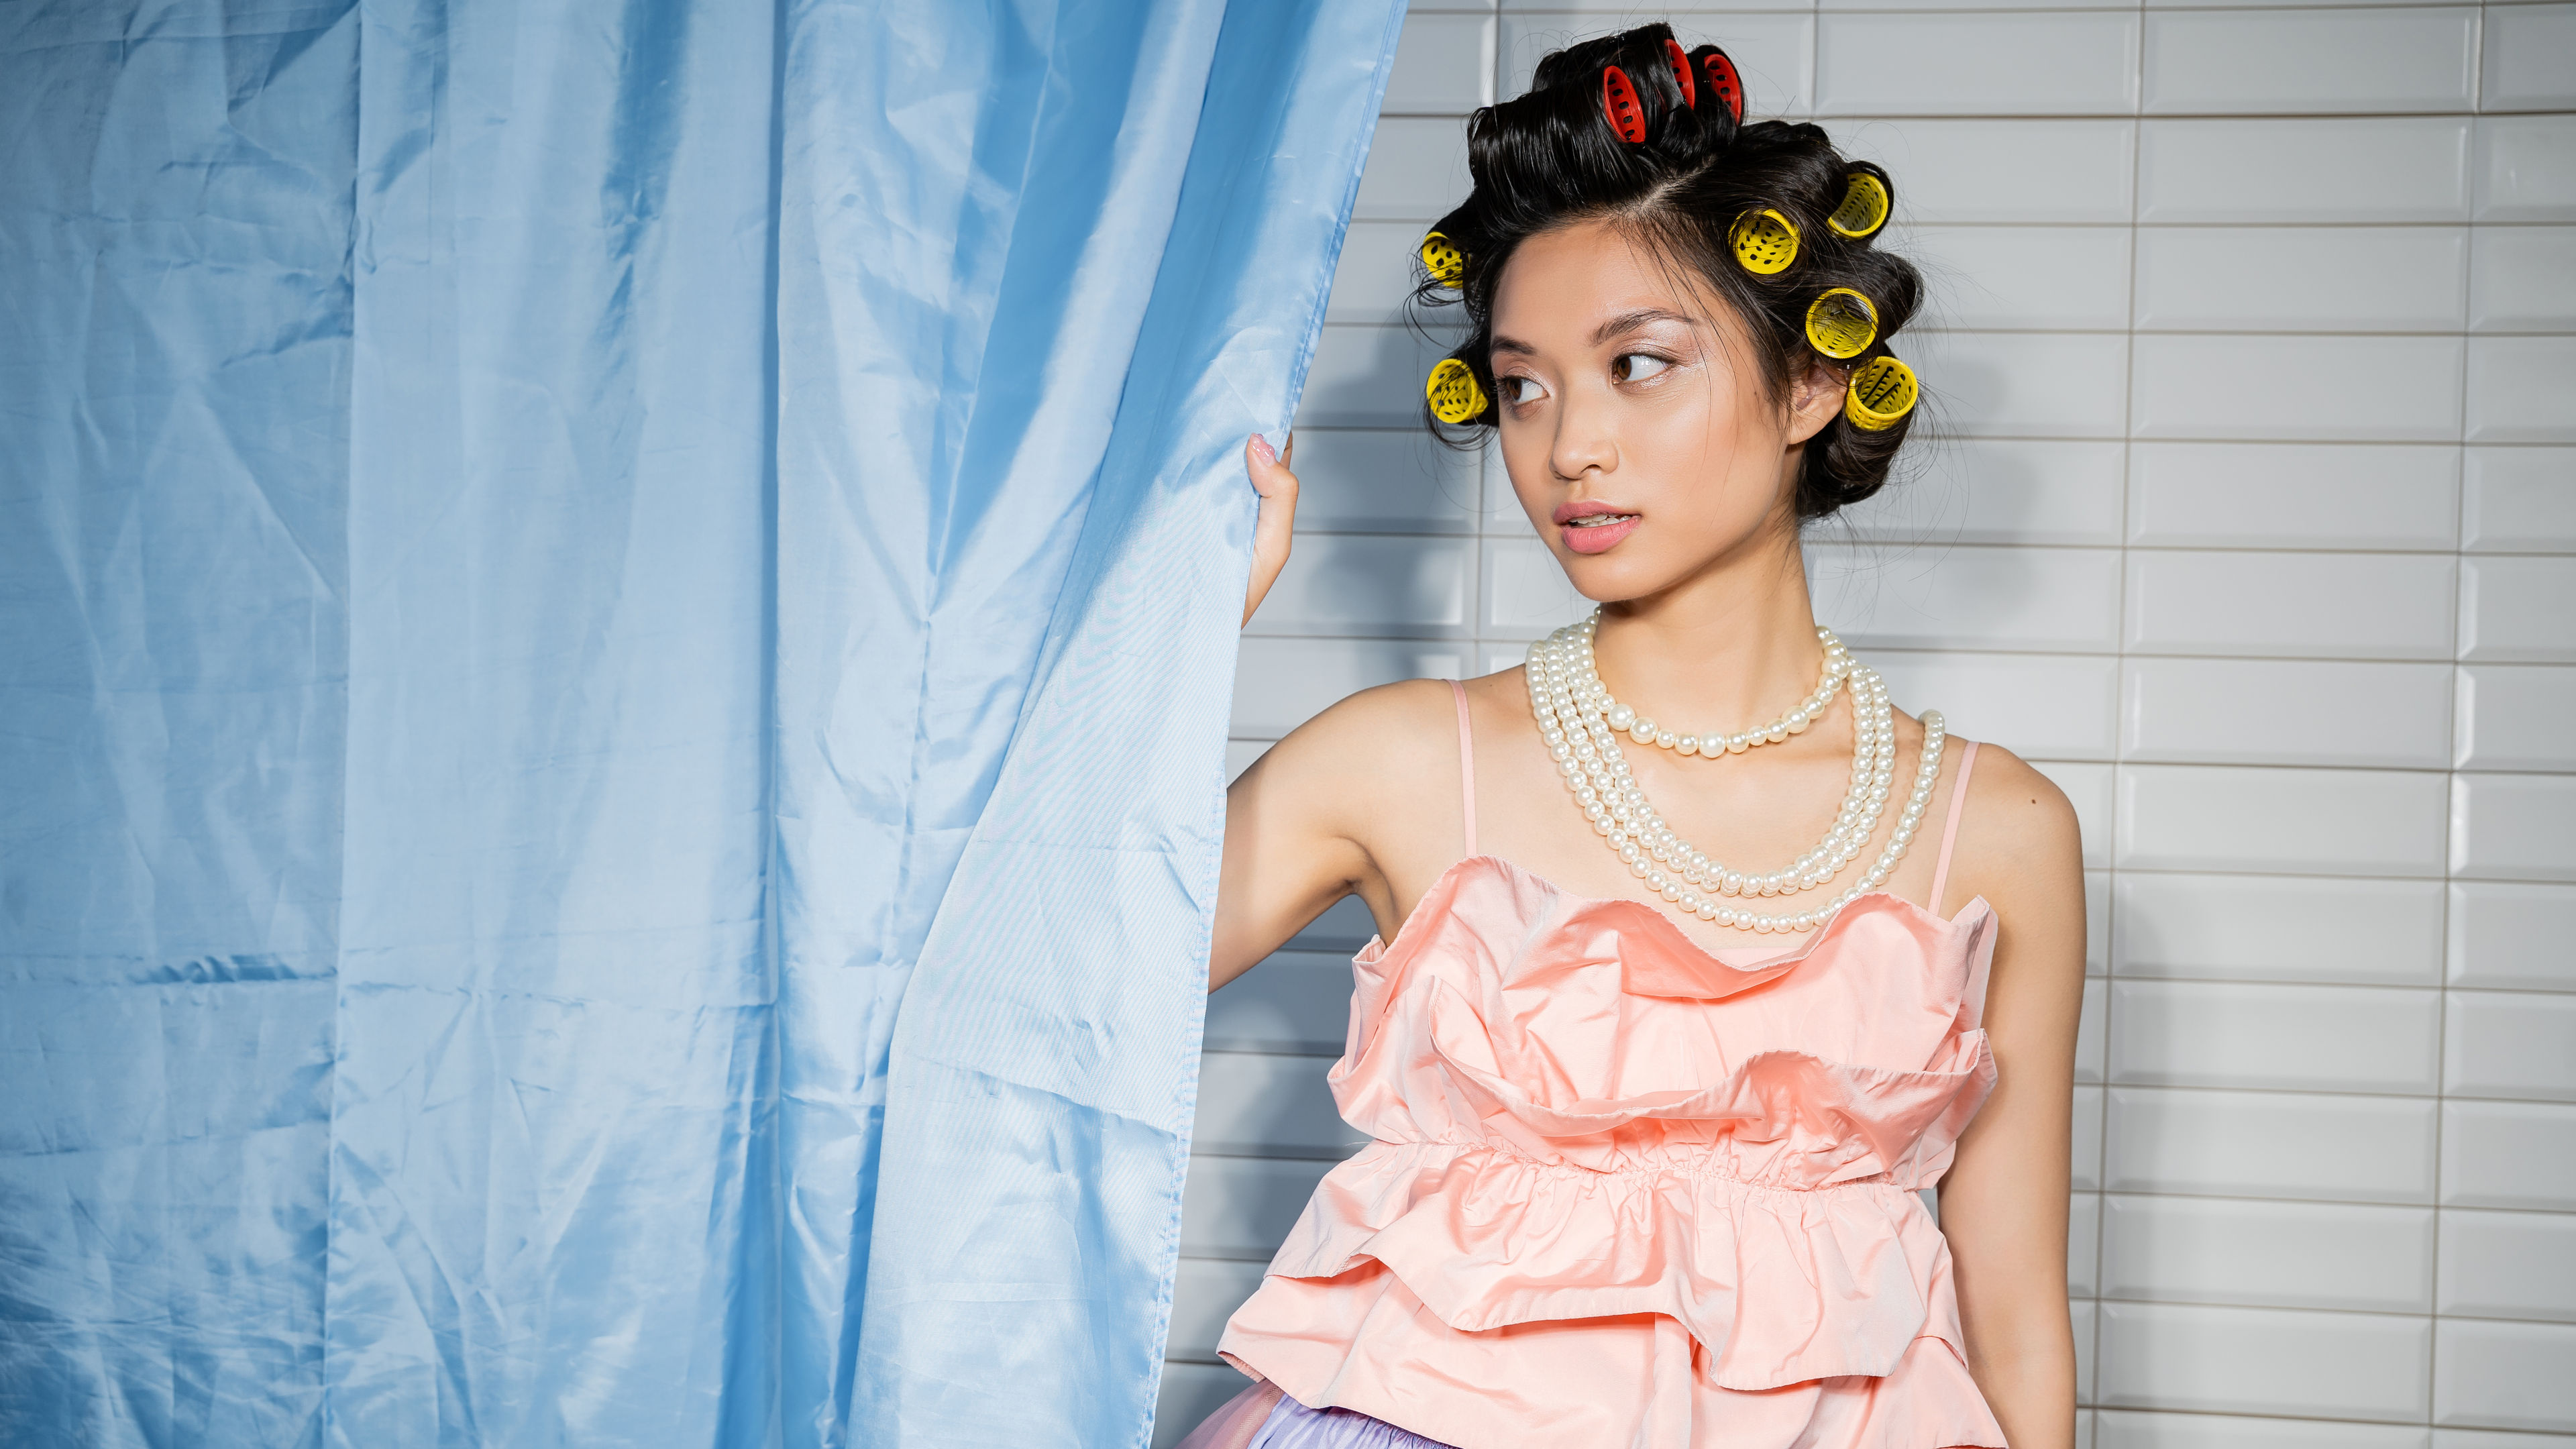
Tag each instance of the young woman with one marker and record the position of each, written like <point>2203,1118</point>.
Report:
<point>1660,1042</point>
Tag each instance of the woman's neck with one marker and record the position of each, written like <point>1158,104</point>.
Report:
<point>1729,649</point>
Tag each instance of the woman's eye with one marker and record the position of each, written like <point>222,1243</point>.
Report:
<point>1637,366</point>
<point>1518,390</point>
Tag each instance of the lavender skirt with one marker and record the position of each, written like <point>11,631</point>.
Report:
<point>1287,1424</point>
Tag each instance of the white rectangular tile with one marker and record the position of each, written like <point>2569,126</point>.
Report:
<point>1253,1103</point>
<point>1382,481</point>
<point>1997,490</point>
<point>2514,827</point>
<point>2325,389</point>
<point>2500,1438</point>
<point>2518,610</point>
<point>2097,907</point>
<point>2508,1265</point>
<point>1366,585</point>
<point>1416,170</point>
<point>1189,1393</point>
<point>2527,50</point>
<point>1375,273</point>
<point>1444,66</point>
<point>2042,706</point>
<point>2304,1038</point>
<point>2519,500</point>
<point>2305,170</point>
<point>2294,495</point>
<point>2092,1031</point>
<point>1279,684</point>
<point>2024,278</point>
<point>1772,47</point>
<point>2303,822</point>
<point>2002,171</point>
<point>2518,390</point>
<point>2523,278</point>
<point>2313,605</point>
<point>2515,717</point>
<point>2022,384</point>
<point>1205,1293</point>
<point>2084,1316</point>
<point>2083,1243</point>
<point>1526,592</point>
<point>1894,597</point>
<point>1367,377</point>
<point>2512,936</point>
<point>2085,1146</point>
<point>2301,279</point>
<point>1242,1207</point>
<point>2509,1155</point>
<point>2526,168</point>
<point>2518,1045</point>
<point>2279,928</point>
<point>2304,62</point>
<point>1295,1001</point>
<point>2268,1254</point>
<point>2504,1375</point>
<point>2269,1144</point>
<point>2146,1429</point>
<point>2265,1361</point>
<point>1966,63</point>
<point>2286,712</point>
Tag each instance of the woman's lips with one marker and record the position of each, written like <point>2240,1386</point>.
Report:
<point>1583,535</point>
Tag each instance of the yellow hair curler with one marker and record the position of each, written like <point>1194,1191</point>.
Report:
<point>1883,391</point>
<point>1453,392</point>
<point>1441,257</point>
<point>1868,200</point>
<point>1841,323</point>
<point>1765,242</point>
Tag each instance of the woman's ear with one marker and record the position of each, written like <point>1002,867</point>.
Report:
<point>1815,398</point>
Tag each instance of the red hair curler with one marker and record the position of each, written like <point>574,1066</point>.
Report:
<point>1724,83</point>
<point>1619,103</point>
<point>1682,72</point>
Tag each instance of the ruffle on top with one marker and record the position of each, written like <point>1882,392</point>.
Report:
<point>1623,1190</point>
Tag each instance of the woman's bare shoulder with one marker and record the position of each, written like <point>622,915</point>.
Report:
<point>2017,820</point>
<point>1379,747</point>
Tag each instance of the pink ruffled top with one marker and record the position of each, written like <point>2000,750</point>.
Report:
<point>1622,1190</point>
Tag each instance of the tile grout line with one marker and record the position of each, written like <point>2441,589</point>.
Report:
<point>2450,856</point>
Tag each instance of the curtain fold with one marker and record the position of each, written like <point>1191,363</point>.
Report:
<point>615,624</point>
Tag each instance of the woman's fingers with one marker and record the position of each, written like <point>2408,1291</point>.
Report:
<point>1270,535</point>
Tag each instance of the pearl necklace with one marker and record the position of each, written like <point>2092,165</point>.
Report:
<point>1838,663</point>
<point>1565,691</point>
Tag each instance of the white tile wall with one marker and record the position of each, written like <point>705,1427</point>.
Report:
<point>2247,510</point>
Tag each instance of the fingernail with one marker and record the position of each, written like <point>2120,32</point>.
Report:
<point>1261,449</point>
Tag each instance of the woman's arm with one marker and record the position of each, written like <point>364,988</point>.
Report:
<point>2003,1204</point>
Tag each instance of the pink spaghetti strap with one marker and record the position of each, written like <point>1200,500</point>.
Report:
<point>1950,830</point>
<point>1466,768</point>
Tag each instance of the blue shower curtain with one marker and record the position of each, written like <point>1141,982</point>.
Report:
<point>615,624</point>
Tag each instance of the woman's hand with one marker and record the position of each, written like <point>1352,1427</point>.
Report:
<point>1278,489</point>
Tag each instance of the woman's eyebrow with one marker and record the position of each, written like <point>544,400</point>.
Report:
<point>1512,345</point>
<point>1631,321</point>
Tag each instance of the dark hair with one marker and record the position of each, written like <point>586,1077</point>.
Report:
<point>1555,157</point>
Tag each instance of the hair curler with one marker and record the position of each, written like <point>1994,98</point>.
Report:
<point>1868,199</point>
<point>1765,242</point>
<point>1882,392</point>
<point>1453,392</point>
<point>1441,257</point>
<point>1619,104</point>
<point>1841,323</point>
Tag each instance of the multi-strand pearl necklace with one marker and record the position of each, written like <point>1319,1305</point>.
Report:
<point>1838,663</point>
<point>1572,708</point>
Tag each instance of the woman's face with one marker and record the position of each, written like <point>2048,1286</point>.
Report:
<point>1635,423</point>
